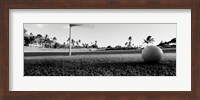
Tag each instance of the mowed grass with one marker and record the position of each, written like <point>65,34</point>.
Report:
<point>99,65</point>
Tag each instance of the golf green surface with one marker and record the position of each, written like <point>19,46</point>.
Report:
<point>112,64</point>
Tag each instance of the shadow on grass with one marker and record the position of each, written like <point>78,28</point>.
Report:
<point>51,68</point>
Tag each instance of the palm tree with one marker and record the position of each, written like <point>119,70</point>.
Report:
<point>126,43</point>
<point>46,37</point>
<point>73,42</point>
<point>130,39</point>
<point>148,40</point>
<point>95,42</point>
<point>77,43</point>
<point>68,39</point>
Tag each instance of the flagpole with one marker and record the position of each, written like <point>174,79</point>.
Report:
<point>69,40</point>
<point>70,27</point>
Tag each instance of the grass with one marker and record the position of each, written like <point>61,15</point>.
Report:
<point>99,65</point>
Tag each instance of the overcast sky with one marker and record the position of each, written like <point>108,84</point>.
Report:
<point>106,34</point>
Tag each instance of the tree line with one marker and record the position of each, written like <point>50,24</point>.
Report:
<point>46,42</point>
<point>147,41</point>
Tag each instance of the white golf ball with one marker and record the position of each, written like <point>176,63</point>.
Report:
<point>152,54</point>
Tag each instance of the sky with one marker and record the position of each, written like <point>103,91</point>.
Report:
<point>106,34</point>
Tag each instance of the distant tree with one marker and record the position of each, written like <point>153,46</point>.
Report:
<point>68,39</point>
<point>54,39</point>
<point>39,39</point>
<point>31,38</point>
<point>148,40</point>
<point>46,36</point>
<point>31,34</point>
<point>109,47</point>
<point>118,47</point>
<point>56,45</point>
<point>85,45</point>
<point>130,39</point>
<point>39,36</point>
<point>25,30</point>
<point>126,43</point>
<point>64,45</point>
<point>172,40</point>
<point>161,43</point>
<point>73,42</point>
<point>169,44</point>
<point>129,44</point>
<point>47,41</point>
<point>26,38</point>
<point>95,44</point>
<point>173,43</point>
<point>79,41</point>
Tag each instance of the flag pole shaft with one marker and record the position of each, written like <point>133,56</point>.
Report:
<point>69,40</point>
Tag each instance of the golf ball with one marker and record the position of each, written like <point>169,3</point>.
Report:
<point>152,54</point>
